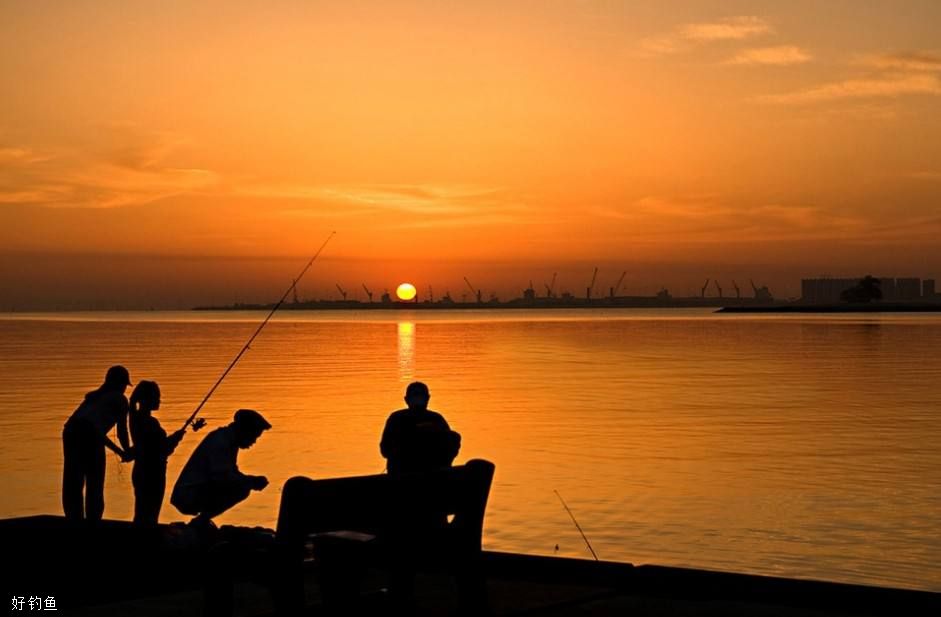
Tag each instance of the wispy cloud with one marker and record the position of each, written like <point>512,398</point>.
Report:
<point>685,36</point>
<point>418,205</point>
<point>783,55</point>
<point>909,61</point>
<point>925,175</point>
<point>707,218</point>
<point>728,29</point>
<point>13,155</point>
<point>889,86</point>
<point>128,168</point>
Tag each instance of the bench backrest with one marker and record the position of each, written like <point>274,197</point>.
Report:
<point>382,504</point>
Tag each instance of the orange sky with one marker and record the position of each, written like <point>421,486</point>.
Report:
<point>169,154</point>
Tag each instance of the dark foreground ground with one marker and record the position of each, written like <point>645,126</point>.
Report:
<point>121,578</point>
<point>533,586</point>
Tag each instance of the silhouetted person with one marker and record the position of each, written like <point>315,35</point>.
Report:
<point>417,438</point>
<point>84,439</point>
<point>211,482</point>
<point>152,446</point>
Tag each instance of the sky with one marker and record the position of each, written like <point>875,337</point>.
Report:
<point>177,153</point>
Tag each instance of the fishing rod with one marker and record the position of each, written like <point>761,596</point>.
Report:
<point>577,526</point>
<point>200,423</point>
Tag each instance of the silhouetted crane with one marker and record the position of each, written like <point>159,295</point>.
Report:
<point>718,287</point>
<point>738,292</point>
<point>762,294</point>
<point>551,286</point>
<point>592,284</point>
<point>476,292</point>
<point>294,289</point>
<point>368,293</point>
<point>529,293</point>
<point>342,291</point>
<point>617,287</point>
<point>704,287</point>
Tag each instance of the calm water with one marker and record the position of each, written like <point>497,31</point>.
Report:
<point>798,446</point>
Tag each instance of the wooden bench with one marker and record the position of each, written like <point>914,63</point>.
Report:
<point>425,521</point>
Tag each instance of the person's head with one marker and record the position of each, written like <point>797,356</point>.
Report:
<point>417,395</point>
<point>249,425</point>
<point>117,378</point>
<point>146,396</point>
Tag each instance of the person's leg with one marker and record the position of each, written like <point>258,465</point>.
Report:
<point>73,478</point>
<point>149,489</point>
<point>220,496</point>
<point>95,482</point>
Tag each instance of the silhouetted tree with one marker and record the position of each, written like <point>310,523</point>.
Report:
<point>866,290</point>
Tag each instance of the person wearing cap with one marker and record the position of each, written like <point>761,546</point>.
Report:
<point>84,440</point>
<point>416,438</point>
<point>211,481</point>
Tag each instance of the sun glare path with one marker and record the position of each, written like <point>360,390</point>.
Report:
<point>405,291</point>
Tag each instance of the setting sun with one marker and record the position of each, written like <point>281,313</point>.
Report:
<point>405,291</point>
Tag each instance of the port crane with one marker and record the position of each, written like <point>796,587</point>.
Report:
<point>476,292</point>
<point>591,285</point>
<point>738,292</point>
<point>368,293</point>
<point>342,291</point>
<point>762,294</point>
<point>614,290</point>
<point>530,292</point>
<point>294,289</point>
<point>718,287</point>
<point>551,286</point>
<point>702,293</point>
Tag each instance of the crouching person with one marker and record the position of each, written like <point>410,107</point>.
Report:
<point>211,482</point>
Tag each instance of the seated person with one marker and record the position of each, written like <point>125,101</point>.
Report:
<point>417,438</point>
<point>211,482</point>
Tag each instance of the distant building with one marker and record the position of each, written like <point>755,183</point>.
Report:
<point>889,289</point>
<point>826,290</point>
<point>908,289</point>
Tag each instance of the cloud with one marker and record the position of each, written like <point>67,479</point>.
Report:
<point>418,205</point>
<point>22,156</point>
<point>890,86</point>
<point>728,29</point>
<point>924,175</point>
<point>124,168</point>
<point>685,36</point>
<point>910,61</point>
<point>709,219</point>
<point>783,55</point>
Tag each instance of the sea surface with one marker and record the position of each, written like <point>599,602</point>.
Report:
<point>802,446</point>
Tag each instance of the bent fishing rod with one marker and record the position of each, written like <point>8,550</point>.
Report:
<point>577,526</point>
<point>197,424</point>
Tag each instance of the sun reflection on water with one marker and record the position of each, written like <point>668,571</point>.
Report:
<point>406,350</point>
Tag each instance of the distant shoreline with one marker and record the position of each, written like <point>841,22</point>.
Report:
<point>873,307</point>
<point>539,304</point>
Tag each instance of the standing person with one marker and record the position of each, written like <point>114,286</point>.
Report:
<point>211,482</point>
<point>152,446</point>
<point>84,440</point>
<point>417,438</point>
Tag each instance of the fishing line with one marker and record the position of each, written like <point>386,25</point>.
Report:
<point>247,345</point>
<point>577,526</point>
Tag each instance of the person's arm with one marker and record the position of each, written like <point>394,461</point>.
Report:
<point>389,443</point>
<point>122,426</point>
<point>173,440</point>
